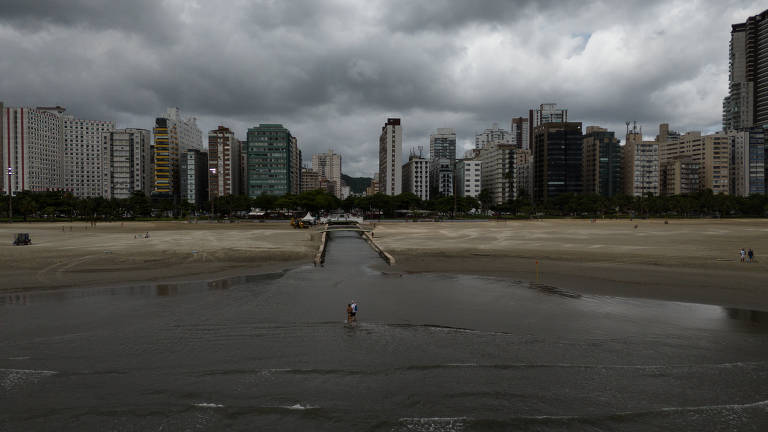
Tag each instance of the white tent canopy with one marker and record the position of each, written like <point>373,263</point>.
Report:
<point>308,218</point>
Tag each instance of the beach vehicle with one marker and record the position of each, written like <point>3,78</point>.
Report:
<point>22,239</point>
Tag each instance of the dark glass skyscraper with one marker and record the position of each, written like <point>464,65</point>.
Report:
<point>557,152</point>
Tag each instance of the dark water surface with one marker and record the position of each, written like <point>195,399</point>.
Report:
<point>430,353</point>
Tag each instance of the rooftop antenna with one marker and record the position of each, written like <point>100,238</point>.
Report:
<point>634,126</point>
<point>627,122</point>
<point>421,152</point>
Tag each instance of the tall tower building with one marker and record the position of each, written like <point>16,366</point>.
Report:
<point>601,162</point>
<point>391,157</point>
<point>223,163</point>
<point>193,184</point>
<point>442,154</point>
<point>468,178</point>
<point>328,165</point>
<point>747,102</point>
<point>127,163</point>
<point>274,161</point>
<point>173,137</point>
<point>641,165</point>
<point>520,131</point>
<point>557,157</point>
<point>84,170</point>
<point>33,149</point>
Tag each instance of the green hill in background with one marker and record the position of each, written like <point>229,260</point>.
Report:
<point>356,184</point>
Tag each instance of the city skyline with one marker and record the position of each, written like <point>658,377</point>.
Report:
<point>121,64</point>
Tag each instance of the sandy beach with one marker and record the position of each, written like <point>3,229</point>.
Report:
<point>77,254</point>
<point>685,260</point>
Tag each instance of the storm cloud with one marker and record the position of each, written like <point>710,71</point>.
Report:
<point>333,71</point>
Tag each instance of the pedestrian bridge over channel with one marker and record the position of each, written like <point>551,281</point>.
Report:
<point>353,227</point>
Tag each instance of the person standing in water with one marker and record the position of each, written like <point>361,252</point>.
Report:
<point>353,314</point>
<point>349,313</point>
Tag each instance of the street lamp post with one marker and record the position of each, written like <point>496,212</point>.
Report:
<point>10,196</point>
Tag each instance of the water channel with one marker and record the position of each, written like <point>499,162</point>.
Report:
<point>431,352</point>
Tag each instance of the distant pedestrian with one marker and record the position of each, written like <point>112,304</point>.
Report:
<point>349,313</point>
<point>353,313</point>
<point>742,254</point>
<point>750,255</point>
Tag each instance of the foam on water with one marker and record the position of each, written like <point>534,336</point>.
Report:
<point>208,405</point>
<point>12,378</point>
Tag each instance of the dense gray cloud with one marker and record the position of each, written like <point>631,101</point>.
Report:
<point>333,71</point>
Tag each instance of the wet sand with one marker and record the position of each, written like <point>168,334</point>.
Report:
<point>684,260</point>
<point>77,254</point>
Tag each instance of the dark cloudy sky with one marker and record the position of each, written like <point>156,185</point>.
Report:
<point>333,71</point>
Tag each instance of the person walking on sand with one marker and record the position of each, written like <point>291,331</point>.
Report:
<point>349,313</point>
<point>353,313</point>
<point>750,255</point>
<point>741,254</point>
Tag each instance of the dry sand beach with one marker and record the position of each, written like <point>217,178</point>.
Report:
<point>77,254</point>
<point>688,260</point>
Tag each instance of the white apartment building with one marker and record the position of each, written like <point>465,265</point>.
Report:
<point>468,178</point>
<point>416,177</point>
<point>32,148</point>
<point>391,158</point>
<point>641,165</point>
<point>223,163</point>
<point>497,166</point>
<point>84,168</point>
<point>494,134</point>
<point>173,136</point>
<point>127,163</point>
<point>328,165</point>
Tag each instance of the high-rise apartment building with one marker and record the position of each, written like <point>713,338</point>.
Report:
<point>443,144</point>
<point>679,175</point>
<point>310,180</point>
<point>391,157</point>
<point>557,158</point>
<point>274,161</point>
<point>173,137</point>
<point>710,152</point>
<point>127,163</point>
<point>641,165</point>
<point>223,163</point>
<point>497,170</point>
<point>523,184</point>
<point>747,102</point>
<point>601,162</point>
<point>521,132</point>
<point>328,165</point>
<point>193,176</point>
<point>416,177</point>
<point>492,135</point>
<point>469,178</point>
<point>83,155</point>
<point>442,156</point>
<point>33,149</point>
<point>748,156</point>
